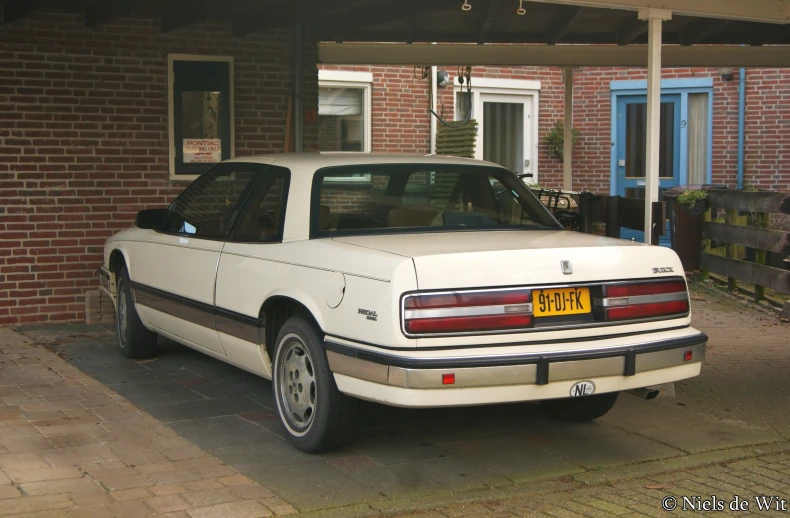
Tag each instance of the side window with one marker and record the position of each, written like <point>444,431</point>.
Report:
<point>205,209</point>
<point>263,217</point>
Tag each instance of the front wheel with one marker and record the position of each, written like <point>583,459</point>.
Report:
<point>580,409</point>
<point>135,340</point>
<point>316,415</point>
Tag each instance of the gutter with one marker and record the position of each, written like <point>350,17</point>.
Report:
<point>741,124</point>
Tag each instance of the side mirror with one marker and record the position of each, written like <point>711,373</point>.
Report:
<point>150,218</point>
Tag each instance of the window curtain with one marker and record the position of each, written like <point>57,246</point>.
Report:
<point>698,132</point>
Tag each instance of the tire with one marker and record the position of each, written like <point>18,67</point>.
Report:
<point>580,409</point>
<point>135,340</point>
<point>316,415</point>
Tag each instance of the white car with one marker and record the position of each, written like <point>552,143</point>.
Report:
<point>409,281</point>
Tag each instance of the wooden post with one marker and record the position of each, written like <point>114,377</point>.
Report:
<point>760,255</point>
<point>655,19</point>
<point>705,274</point>
<point>613,217</point>
<point>732,219</point>
<point>567,152</point>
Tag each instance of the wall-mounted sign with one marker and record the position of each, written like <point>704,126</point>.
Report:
<point>202,151</point>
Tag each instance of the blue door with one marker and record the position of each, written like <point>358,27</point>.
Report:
<point>630,149</point>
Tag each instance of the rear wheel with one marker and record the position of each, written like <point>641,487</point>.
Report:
<point>579,409</point>
<point>316,415</point>
<point>135,340</point>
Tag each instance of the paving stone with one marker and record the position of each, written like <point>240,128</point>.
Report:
<point>22,461</point>
<point>130,509</point>
<point>209,497</point>
<point>126,482</point>
<point>169,489</point>
<point>73,485</point>
<point>243,509</point>
<point>39,474</point>
<point>33,504</point>
<point>8,491</point>
<point>135,493</point>
<point>167,503</point>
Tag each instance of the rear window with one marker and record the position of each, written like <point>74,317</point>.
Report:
<point>423,198</point>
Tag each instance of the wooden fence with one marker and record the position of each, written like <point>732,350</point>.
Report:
<point>618,212</point>
<point>740,207</point>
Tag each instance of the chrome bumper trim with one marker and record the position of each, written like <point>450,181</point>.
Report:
<point>531,370</point>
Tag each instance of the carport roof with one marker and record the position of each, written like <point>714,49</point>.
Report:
<point>488,21</point>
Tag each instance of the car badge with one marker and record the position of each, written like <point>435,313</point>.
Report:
<point>567,267</point>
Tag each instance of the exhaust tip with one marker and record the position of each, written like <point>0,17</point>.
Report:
<point>646,393</point>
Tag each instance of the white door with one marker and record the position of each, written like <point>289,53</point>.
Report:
<point>506,133</point>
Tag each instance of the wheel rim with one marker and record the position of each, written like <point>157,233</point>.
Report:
<point>297,385</point>
<point>123,310</point>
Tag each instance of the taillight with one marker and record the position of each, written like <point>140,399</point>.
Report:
<point>645,300</point>
<point>462,312</point>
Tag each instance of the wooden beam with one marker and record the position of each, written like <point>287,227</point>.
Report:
<point>768,201</point>
<point>750,273</point>
<point>96,12</point>
<point>768,11</point>
<point>181,14</point>
<point>562,24</point>
<point>488,20</point>
<point>288,13</point>
<point>701,30</point>
<point>631,31</point>
<point>374,14</point>
<point>655,20</point>
<point>753,237</point>
<point>13,11</point>
<point>567,151</point>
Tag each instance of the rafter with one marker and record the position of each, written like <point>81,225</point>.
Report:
<point>371,15</point>
<point>488,20</point>
<point>562,24</point>
<point>99,11</point>
<point>631,31</point>
<point>13,11</point>
<point>288,13</point>
<point>701,30</point>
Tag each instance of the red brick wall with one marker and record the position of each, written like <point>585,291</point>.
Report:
<point>399,101</point>
<point>767,121</point>
<point>84,142</point>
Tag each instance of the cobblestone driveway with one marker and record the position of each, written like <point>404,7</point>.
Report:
<point>399,459</point>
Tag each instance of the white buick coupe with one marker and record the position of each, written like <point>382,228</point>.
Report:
<point>409,281</point>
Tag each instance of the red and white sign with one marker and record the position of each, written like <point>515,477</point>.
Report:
<point>202,151</point>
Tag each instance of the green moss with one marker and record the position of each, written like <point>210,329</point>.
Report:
<point>690,198</point>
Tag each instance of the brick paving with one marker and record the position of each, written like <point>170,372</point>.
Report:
<point>69,446</point>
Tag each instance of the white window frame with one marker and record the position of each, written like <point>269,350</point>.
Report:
<point>171,122</point>
<point>359,80</point>
<point>514,87</point>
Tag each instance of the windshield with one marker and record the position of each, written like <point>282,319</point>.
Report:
<point>422,198</point>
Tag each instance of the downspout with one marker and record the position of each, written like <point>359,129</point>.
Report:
<point>741,124</point>
<point>433,87</point>
<point>298,115</point>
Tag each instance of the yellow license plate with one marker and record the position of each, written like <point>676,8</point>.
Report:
<point>561,301</point>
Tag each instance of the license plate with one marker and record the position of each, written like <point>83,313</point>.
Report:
<point>561,301</point>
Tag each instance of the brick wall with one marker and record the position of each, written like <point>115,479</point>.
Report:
<point>398,95</point>
<point>84,143</point>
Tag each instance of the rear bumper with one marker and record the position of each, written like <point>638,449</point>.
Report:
<point>416,379</point>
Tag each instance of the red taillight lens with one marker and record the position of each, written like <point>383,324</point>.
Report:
<point>455,300</point>
<point>463,312</point>
<point>647,288</point>
<point>646,300</point>
<point>648,310</point>
<point>466,324</point>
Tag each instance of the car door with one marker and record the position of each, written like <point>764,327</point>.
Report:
<point>246,274</point>
<point>173,273</point>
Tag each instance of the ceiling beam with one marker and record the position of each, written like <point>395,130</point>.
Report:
<point>769,11</point>
<point>96,12</point>
<point>180,14</point>
<point>488,20</point>
<point>373,14</point>
<point>631,31</point>
<point>701,30</point>
<point>543,55</point>
<point>288,13</point>
<point>13,11</point>
<point>560,26</point>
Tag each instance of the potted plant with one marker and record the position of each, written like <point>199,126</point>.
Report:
<point>694,201</point>
<point>555,140</point>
